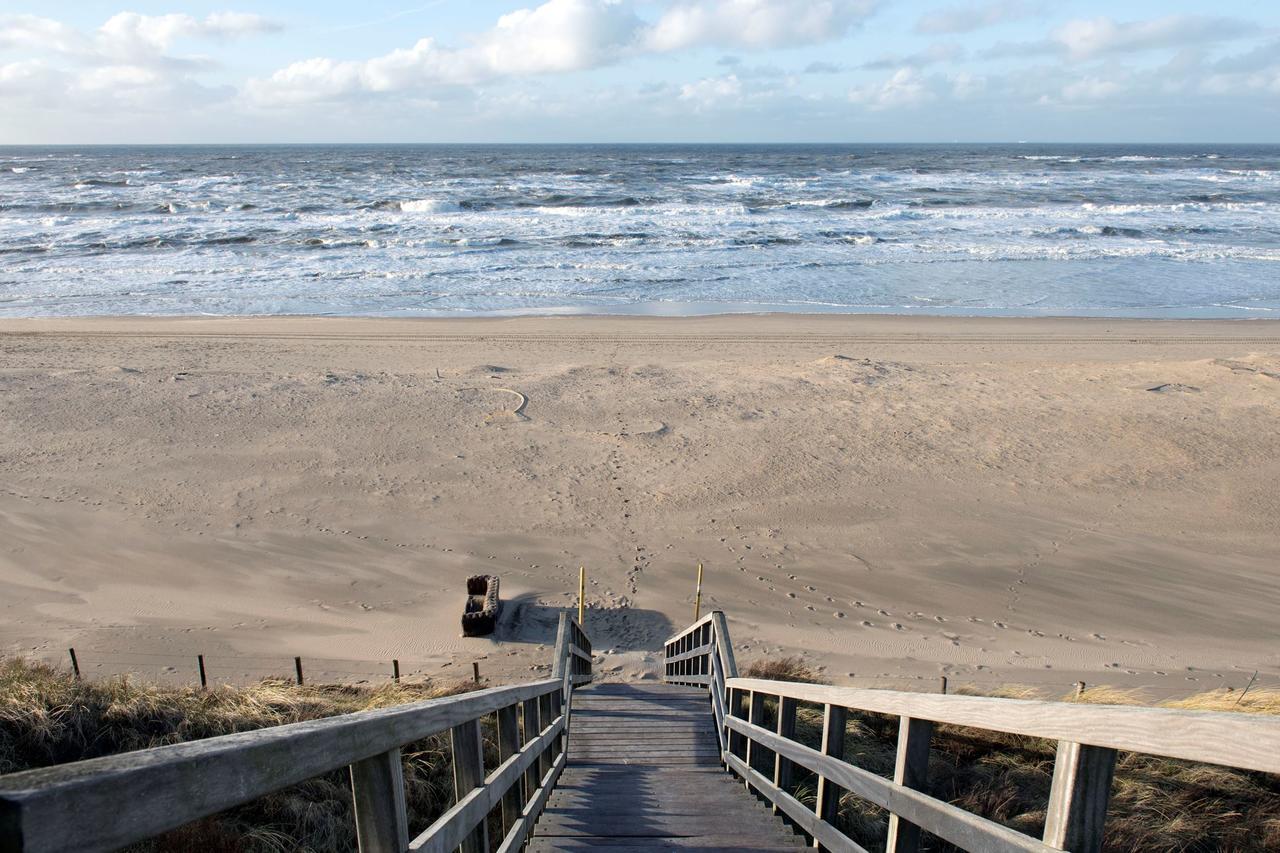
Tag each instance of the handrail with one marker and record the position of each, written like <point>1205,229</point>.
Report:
<point>1088,737</point>
<point>106,803</point>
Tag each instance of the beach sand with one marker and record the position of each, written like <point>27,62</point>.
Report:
<point>895,499</point>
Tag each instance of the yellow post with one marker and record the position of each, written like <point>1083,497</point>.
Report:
<point>582,593</point>
<point>697,598</point>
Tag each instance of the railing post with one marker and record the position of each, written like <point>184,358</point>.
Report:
<point>737,698</point>
<point>509,745</point>
<point>468,774</point>
<point>910,771</point>
<point>377,792</point>
<point>562,647</point>
<point>533,728</point>
<point>834,721</point>
<point>755,715</point>
<point>783,767</point>
<point>1078,799</point>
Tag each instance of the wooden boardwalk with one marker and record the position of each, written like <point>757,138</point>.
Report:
<point>644,771</point>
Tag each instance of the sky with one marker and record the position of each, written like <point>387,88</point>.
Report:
<point>94,71</point>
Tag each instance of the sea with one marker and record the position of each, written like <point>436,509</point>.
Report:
<point>430,230</point>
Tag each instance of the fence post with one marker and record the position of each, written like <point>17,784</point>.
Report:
<point>755,715</point>
<point>297,668</point>
<point>834,721</point>
<point>395,670</point>
<point>782,766</point>
<point>943,691</point>
<point>1078,799</point>
<point>910,771</point>
<point>475,671</point>
<point>75,664</point>
<point>377,792</point>
<point>538,769</point>
<point>204,679</point>
<point>509,745</point>
<point>468,774</point>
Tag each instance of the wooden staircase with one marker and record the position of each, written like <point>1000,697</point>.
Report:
<point>644,771</point>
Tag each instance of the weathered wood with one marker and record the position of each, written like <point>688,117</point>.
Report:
<point>466,820</point>
<point>951,823</point>
<point>1246,741</point>
<point>824,833</point>
<point>509,745</point>
<point>834,722</point>
<point>786,728</point>
<point>912,771</point>
<point>468,773</point>
<point>516,838</point>
<point>755,716</point>
<point>377,793</point>
<point>532,728</point>
<point>173,785</point>
<point>1078,799</point>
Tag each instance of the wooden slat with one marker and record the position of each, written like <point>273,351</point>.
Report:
<point>1078,799</point>
<point>1246,741</point>
<point>911,770</point>
<point>508,746</point>
<point>468,774</point>
<point>516,838</point>
<point>951,823</point>
<point>452,828</point>
<point>693,653</point>
<point>173,785</point>
<point>826,834</point>
<point>377,794</point>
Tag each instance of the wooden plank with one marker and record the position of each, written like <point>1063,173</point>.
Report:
<point>755,716</point>
<point>1078,799</point>
<point>468,774</point>
<point>693,653</point>
<point>951,823</point>
<point>377,793</point>
<point>531,729</point>
<point>834,721</point>
<point>509,745</point>
<point>824,833</point>
<point>173,785</point>
<point>786,728</point>
<point>1246,741</point>
<point>911,770</point>
<point>524,826</point>
<point>465,820</point>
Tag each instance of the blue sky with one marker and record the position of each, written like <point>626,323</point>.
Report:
<point>639,70</point>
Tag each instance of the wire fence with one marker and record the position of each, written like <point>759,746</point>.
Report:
<point>236,669</point>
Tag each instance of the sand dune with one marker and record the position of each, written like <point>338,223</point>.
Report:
<point>1035,501</point>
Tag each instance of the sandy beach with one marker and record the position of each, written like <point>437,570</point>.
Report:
<point>895,499</point>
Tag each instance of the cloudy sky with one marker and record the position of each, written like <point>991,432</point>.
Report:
<point>92,71</point>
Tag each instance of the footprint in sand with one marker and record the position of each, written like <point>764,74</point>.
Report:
<point>883,612</point>
<point>939,619</point>
<point>791,595</point>
<point>1097,636</point>
<point>865,624</point>
<point>1000,625</point>
<point>839,614</point>
<point>898,626</point>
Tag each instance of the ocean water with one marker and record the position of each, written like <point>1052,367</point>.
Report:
<point>1145,231</point>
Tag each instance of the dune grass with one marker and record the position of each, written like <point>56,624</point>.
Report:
<point>48,718</point>
<point>1157,804</point>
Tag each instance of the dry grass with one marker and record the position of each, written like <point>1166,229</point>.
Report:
<point>47,718</point>
<point>781,669</point>
<point>1157,804</point>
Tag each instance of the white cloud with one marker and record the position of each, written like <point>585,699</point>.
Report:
<point>934,53</point>
<point>1085,39</point>
<point>964,19</point>
<point>713,91</point>
<point>906,88</point>
<point>127,59</point>
<point>1091,89</point>
<point>564,36</point>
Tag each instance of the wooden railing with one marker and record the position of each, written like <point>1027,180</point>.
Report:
<point>1088,738</point>
<point>107,803</point>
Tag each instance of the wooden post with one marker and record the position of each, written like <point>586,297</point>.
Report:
<point>509,745</point>
<point>697,596</point>
<point>834,721</point>
<point>545,715</point>
<point>532,728</point>
<point>75,664</point>
<point>582,595</point>
<point>735,709</point>
<point>910,771</point>
<point>755,714</point>
<point>475,671</point>
<point>783,767</point>
<point>297,668</point>
<point>468,774</point>
<point>1078,799</point>
<point>1079,689</point>
<point>204,680</point>
<point>395,670</point>
<point>377,792</point>
<point>943,690</point>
